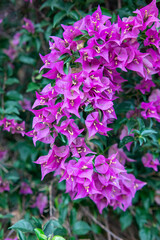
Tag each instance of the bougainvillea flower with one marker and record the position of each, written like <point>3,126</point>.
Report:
<point>147,15</point>
<point>25,189</point>
<point>52,161</point>
<point>94,125</point>
<point>121,156</point>
<point>25,104</point>
<point>29,26</point>
<point>11,52</point>
<point>79,148</point>
<point>16,39</point>
<point>86,76</point>
<point>69,129</point>
<point>145,86</point>
<point>3,154</point>
<point>4,185</point>
<point>150,111</point>
<point>41,202</point>
<point>150,162</point>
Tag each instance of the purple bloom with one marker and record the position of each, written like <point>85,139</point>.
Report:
<point>121,156</point>
<point>89,90</point>
<point>54,160</point>
<point>11,126</point>
<point>150,162</point>
<point>29,26</point>
<point>94,125</point>
<point>41,202</point>
<point>145,86</point>
<point>149,111</point>
<point>3,154</point>
<point>69,129</point>
<point>16,39</point>
<point>25,189</point>
<point>25,104</point>
<point>79,148</point>
<point>11,52</point>
<point>4,186</point>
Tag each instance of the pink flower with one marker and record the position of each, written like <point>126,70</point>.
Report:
<point>54,160</point>
<point>41,202</point>
<point>69,129</point>
<point>149,162</point>
<point>145,86</point>
<point>29,26</point>
<point>25,189</point>
<point>11,52</point>
<point>11,126</point>
<point>3,154</point>
<point>4,186</point>
<point>16,39</point>
<point>25,104</point>
<point>94,125</point>
<point>150,111</point>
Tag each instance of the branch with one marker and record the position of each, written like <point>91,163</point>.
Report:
<point>87,213</point>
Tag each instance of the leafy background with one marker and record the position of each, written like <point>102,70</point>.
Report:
<point>19,79</point>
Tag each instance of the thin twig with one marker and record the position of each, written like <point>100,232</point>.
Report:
<point>3,87</point>
<point>86,212</point>
<point>51,199</point>
<point>108,234</point>
<point>119,4</point>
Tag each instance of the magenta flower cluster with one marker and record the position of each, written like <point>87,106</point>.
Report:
<point>4,185</point>
<point>11,126</point>
<point>82,68</point>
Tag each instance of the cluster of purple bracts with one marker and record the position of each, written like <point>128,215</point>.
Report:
<point>91,82</point>
<point>11,126</point>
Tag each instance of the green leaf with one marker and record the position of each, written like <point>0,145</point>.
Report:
<point>141,124</point>
<point>60,231</point>
<point>145,234</point>
<point>125,220</point>
<point>11,110</point>
<point>74,15</point>
<point>63,56</point>
<point>23,225</point>
<point>130,124</point>
<point>6,216</point>
<point>63,213</point>
<point>126,140</point>
<point>11,81</point>
<point>73,216</point>
<point>50,227</point>
<point>40,234</point>
<point>66,68</point>
<point>96,228</point>
<point>21,235</point>
<point>89,108</point>
<point>58,17</point>
<point>147,132</point>
<point>98,143</point>
<point>14,95</point>
<point>13,176</point>
<point>57,238</point>
<point>36,222</point>
<point>27,60</point>
<point>32,87</point>
<point>79,37</point>
<point>81,228</point>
